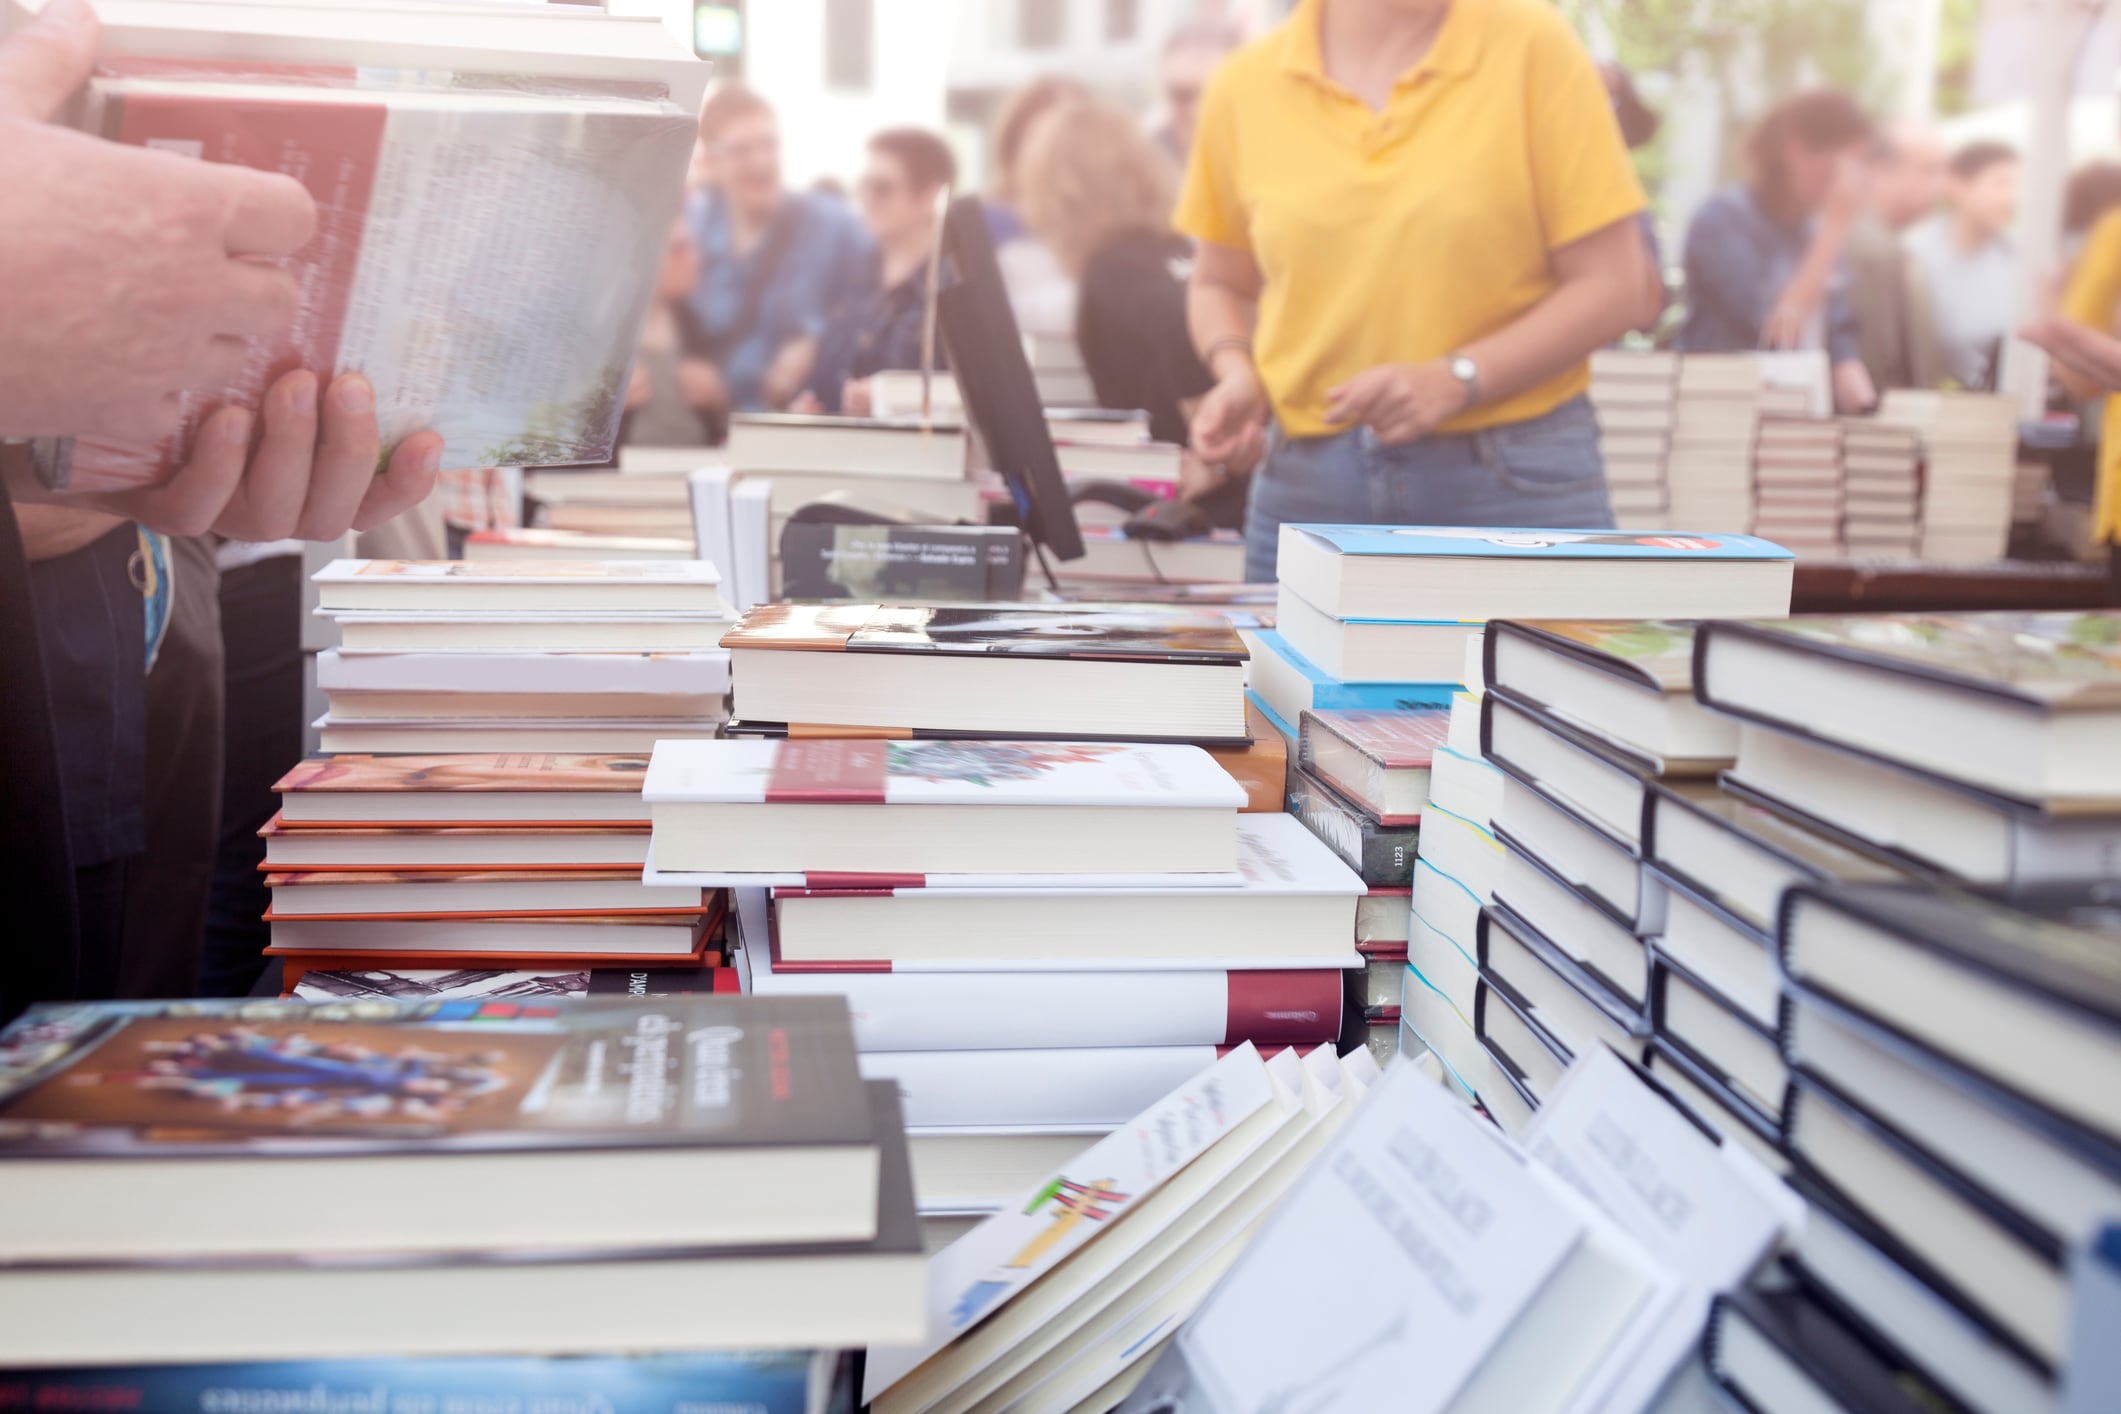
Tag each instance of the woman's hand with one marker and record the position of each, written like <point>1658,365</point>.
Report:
<point>2086,352</point>
<point>311,476</point>
<point>1400,402</point>
<point>1853,390</point>
<point>1230,425</point>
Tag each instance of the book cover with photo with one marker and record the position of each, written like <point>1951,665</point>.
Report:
<point>483,255</point>
<point>1011,629</point>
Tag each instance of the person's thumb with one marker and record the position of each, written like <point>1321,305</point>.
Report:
<point>42,63</point>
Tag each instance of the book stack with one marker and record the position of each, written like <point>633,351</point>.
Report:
<point>415,872</point>
<point>529,543</point>
<point>1469,576</point>
<point>1881,489</point>
<point>1633,393</point>
<point>1045,1304</point>
<point>284,1181</point>
<point>584,656</point>
<point>1363,782</point>
<point>1713,427</point>
<point>1581,1265</point>
<point>1970,448</point>
<point>1798,485</point>
<point>1057,369</point>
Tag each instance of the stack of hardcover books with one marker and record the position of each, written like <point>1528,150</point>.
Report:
<point>1881,490</point>
<point>1798,485</point>
<point>584,656</point>
<point>1037,938</point>
<point>1633,392</point>
<point>472,875</point>
<point>1711,468</point>
<point>1970,458</point>
<point>285,1181</point>
<point>1061,1298</point>
<point>1361,787</point>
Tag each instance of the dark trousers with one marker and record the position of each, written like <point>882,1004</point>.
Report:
<point>261,608</point>
<point>166,885</point>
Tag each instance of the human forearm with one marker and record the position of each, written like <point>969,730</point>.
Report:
<point>1221,320</point>
<point>1599,298</point>
<point>49,531</point>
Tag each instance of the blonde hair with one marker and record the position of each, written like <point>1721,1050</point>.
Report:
<point>1020,113</point>
<point>1088,172</point>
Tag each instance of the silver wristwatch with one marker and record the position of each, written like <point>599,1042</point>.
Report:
<point>1467,372</point>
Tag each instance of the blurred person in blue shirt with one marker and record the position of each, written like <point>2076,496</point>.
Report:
<point>882,327</point>
<point>775,264</point>
<point>1764,258</point>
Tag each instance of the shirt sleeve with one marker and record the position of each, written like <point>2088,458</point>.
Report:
<point>1583,179</point>
<point>1723,275</point>
<point>1209,207</point>
<point>2093,298</point>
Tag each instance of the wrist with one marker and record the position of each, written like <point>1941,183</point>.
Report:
<point>1230,357</point>
<point>1462,371</point>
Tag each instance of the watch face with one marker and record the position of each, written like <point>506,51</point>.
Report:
<point>1464,370</point>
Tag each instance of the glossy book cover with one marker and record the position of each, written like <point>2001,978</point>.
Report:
<point>373,1077</point>
<point>2058,660</point>
<point>1656,653</point>
<point>1395,740</point>
<point>542,772</point>
<point>1019,630</point>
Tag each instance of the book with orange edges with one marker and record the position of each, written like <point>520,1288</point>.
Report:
<point>1262,768</point>
<point>530,788</point>
<point>610,935</point>
<point>445,849</point>
<point>483,892</point>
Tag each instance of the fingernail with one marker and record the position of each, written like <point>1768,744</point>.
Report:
<point>431,460</point>
<point>235,427</point>
<point>354,396</point>
<point>301,396</point>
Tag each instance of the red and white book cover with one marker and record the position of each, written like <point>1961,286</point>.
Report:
<point>484,254</point>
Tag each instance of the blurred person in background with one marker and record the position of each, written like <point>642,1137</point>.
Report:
<point>2093,191</point>
<point>909,172</point>
<point>675,396</point>
<point>1891,306</point>
<point>2080,335</point>
<point>1416,220</point>
<point>1763,259</point>
<point>1191,54</point>
<point>774,263</point>
<point>1965,259</point>
<point>1639,125</point>
<point>1099,192</point>
<point>1040,293</point>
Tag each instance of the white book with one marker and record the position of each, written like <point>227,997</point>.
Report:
<point>771,442</point>
<point>378,894</point>
<point>1587,860</point>
<point>1468,853</point>
<point>751,549</point>
<point>384,708</point>
<point>1373,651</point>
<point>1494,1287</point>
<point>1467,786</point>
<point>982,1172</point>
<point>1297,899</point>
<point>995,1263</point>
<point>935,807</point>
<point>1599,942</point>
<point>575,938</point>
<point>698,674</point>
<point>455,736</point>
<point>1463,735</point>
<point>707,491</point>
<point>1704,1209</point>
<point>1034,1089</point>
<point>1444,965</point>
<point>442,586</point>
<point>652,631</point>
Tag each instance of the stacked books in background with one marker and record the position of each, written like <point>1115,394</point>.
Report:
<point>1060,1299</point>
<point>1713,428</point>
<point>1798,485</point>
<point>408,873</point>
<point>1037,938</point>
<point>529,543</point>
<point>1881,489</point>
<point>583,656</point>
<point>1970,458</point>
<point>259,1180</point>
<point>1633,394</point>
<point>1058,370</point>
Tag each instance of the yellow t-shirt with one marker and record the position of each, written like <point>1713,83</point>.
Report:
<point>1402,236</point>
<point>2094,300</point>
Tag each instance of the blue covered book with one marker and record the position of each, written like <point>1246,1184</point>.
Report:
<point>1435,573</point>
<point>1290,684</point>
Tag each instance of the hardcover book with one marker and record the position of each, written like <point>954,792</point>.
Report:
<point>518,586</point>
<point>222,1107</point>
<point>511,337</point>
<point>1381,854</point>
<point>444,848</point>
<point>533,789</point>
<point>1628,682</point>
<point>1380,759</point>
<point>1005,670</point>
<point>559,676</point>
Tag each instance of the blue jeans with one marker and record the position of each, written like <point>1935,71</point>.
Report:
<point>1544,472</point>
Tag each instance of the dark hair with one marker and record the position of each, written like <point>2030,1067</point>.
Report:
<point>1818,120</point>
<point>1975,158</point>
<point>925,156</point>
<point>730,102</point>
<point>1639,122</point>
<point>2094,189</point>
